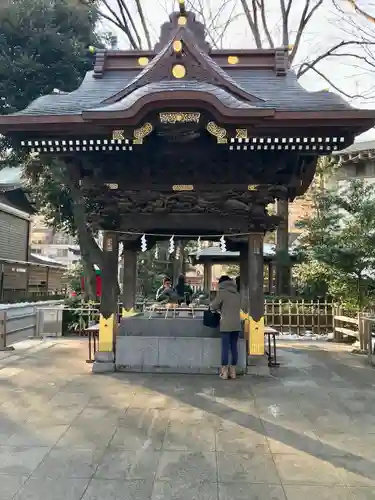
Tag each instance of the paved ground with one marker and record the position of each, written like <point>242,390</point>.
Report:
<point>65,434</point>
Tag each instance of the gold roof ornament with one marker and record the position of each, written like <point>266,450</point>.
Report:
<point>233,60</point>
<point>143,61</point>
<point>179,117</point>
<point>179,71</point>
<point>241,133</point>
<point>177,46</point>
<point>118,135</point>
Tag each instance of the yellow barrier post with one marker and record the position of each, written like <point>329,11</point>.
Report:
<point>104,357</point>
<point>256,294</point>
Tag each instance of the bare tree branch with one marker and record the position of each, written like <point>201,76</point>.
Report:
<point>305,18</point>
<point>360,11</point>
<point>125,25</point>
<point>330,52</point>
<point>114,19</point>
<point>322,75</point>
<point>124,9</point>
<point>285,21</point>
<point>143,22</point>
<point>254,27</point>
<point>263,15</point>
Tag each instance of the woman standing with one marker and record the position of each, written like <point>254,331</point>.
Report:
<point>228,303</point>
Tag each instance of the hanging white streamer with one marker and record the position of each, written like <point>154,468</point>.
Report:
<point>156,252</point>
<point>171,244</point>
<point>143,243</point>
<point>223,244</point>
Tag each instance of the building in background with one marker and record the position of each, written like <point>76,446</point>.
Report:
<point>51,244</point>
<point>355,162</point>
<point>23,275</point>
<point>15,216</point>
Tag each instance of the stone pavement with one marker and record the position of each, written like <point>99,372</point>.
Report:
<point>66,434</point>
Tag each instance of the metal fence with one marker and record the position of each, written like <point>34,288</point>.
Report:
<point>20,322</point>
<point>286,316</point>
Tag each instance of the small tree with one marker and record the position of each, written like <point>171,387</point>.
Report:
<point>341,235</point>
<point>44,48</point>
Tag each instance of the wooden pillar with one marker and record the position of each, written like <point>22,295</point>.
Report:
<point>27,277</point>
<point>129,280</point>
<point>270,278</point>
<point>256,294</point>
<point>2,282</point>
<point>282,248</point>
<point>47,282</point>
<point>207,277</point>
<point>104,357</point>
<point>244,278</point>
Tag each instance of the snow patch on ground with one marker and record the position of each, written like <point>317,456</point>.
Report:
<point>307,335</point>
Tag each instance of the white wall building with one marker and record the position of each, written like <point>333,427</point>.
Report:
<point>47,242</point>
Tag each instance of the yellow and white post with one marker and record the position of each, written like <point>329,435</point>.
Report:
<point>129,281</point>
<point>105,357</point>
<point>256,294</point>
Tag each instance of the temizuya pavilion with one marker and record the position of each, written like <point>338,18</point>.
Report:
<point>185,140</point>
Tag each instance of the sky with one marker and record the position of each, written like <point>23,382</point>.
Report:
<point>326,28</point>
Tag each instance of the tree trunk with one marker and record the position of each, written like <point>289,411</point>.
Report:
<point>89,277</point>
<point>91,253</point>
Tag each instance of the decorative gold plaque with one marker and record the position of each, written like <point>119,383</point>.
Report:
<point>112,186</point>
<point>241,133</point>
<point>183,187</point>
<point>179,117</point>
<point>179,71</point>
<point>218,132</point>
<point>253,187</point>
<point>182,21</point>
<point>118,135</point>
<point>141,133</point>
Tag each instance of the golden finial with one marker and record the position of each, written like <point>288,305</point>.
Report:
<point>181,3</point>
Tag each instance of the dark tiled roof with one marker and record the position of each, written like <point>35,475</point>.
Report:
<point>285,92</point>
<point>357,147</point>
<point>279,92</point>
<point>167,86</point>
<point>11,178</point>
<point>90,94</point>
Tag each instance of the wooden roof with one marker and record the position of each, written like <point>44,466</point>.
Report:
<point>12,191</point>
<point>241,87</point>
<point>357,152</point>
